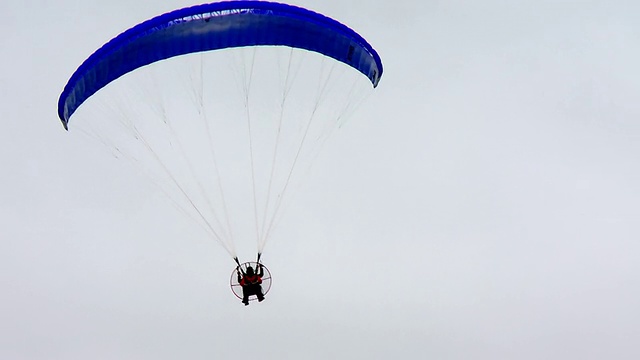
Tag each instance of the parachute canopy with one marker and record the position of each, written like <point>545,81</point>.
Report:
<point>217,26</point>
<point>227,135</point>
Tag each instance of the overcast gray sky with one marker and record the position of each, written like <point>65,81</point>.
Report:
<point>483,204</point>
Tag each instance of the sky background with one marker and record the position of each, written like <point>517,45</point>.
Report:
<point>483,204</point>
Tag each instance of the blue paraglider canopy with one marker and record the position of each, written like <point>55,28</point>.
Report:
<point>217,26</point>
<point>224,106</point>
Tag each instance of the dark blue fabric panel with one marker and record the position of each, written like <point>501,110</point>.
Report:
<point>217,26</point>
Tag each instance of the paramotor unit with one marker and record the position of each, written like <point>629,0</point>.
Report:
<point>242,270</point>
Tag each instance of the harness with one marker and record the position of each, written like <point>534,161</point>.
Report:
<point>251,279</point>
